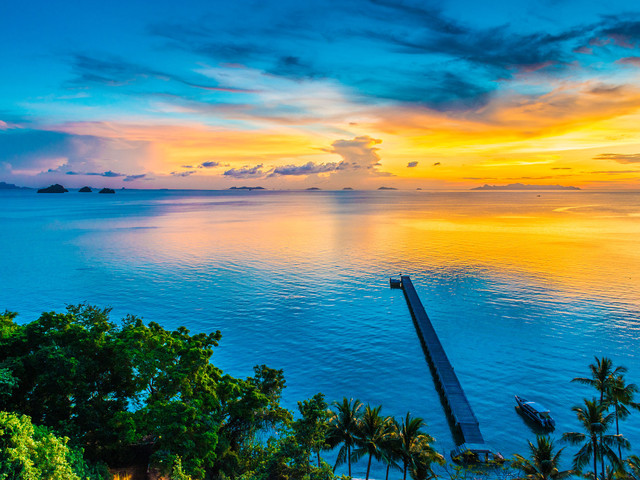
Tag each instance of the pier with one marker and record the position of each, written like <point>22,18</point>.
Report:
<point>454,399</point>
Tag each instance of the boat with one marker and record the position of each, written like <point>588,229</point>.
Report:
<point>535,412</point>
<point>475,453</point>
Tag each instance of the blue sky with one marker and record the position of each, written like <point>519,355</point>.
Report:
<point>82,79</point>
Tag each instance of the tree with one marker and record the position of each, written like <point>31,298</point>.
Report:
<point>370,435</point>
<point>391,445</point>
<point>620,395</point>
<point>544,462</point>
<point>602,373</point>
<point>415,446</point>
<point>594,443</point>
<point>343,426</point>
<point>632,466</point>
<point>311,429</point>
<point>29,452</point>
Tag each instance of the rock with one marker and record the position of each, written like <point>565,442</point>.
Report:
<point>57,188</point>
<point>85,190</point>
<point>107,190</point>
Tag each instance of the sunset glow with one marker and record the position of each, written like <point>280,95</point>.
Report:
<point>359,94</point>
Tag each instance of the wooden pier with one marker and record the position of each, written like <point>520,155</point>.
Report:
<point>454,399</point>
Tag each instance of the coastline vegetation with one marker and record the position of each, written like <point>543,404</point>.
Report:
<point>80,394</point>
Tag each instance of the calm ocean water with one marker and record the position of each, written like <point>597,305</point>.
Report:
<point>523,288</point>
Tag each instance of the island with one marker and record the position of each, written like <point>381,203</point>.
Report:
<point>107,190</point>
<point>522,186</point>
<point>387,188</point>
<point>347,188</point>
<point>312,188</point>
<point>56,188</point>
<point>246,188</point>
<point>11,186</point>
<point>85,190</point>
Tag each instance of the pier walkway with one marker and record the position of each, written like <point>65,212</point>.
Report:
<point>455,400</point>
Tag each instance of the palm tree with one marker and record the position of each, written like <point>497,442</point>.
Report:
<point>415,449</point>
<point>544,463</point>
<point>390,447</point>
<point>620,395</point>
<point>633,464</point>
<point>602,373</point>
<point>594,443</point>
<point>343,425</point>
<point>372,432</point>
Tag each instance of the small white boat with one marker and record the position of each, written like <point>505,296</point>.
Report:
<point>535,412</point>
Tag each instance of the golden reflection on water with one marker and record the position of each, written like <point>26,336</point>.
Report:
<point>567,243</point>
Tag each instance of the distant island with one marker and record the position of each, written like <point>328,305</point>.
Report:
<point>56,188</point>
<point>85,190</point>
<point>246,188</point>
<point>107,190</point>
<point>347,188</point>
<point>522,186</point>
<point>313,188</point>
<point>387,188</point>
<point>11,186</point>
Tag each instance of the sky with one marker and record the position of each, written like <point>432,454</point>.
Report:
<point>330,94</point>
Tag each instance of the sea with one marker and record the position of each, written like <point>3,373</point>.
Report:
<point>523,288</point>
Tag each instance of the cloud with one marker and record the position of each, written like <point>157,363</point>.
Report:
<point>108,173</point>
<point>306,169</point>
<point>620,158</point>
<point>437,164</point>
<point>245,172</point>
<point>561,168</point>
<point>31,151</point>
<point>629,61</point>
<point>183,174</point>
<point>131,178</point>
<point>208,164</point>
<point>412,164</point>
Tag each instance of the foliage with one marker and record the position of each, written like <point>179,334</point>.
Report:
<point>28,452</point>
<point>594,442</point>
<point>343,427</point>
<point>544,462</point>
<point>110,387</point>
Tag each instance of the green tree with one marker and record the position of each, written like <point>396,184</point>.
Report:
<point>632,467</point>
<point>415,446</point>
<point>620,395</point>
<point>311,429</point>
<point>391,446</point>
<point>370,435</point>
<point>343,426</point>
<point>594,443</point>
<point>544,461</point>
<point>29,452</point>
<point>602,373</point>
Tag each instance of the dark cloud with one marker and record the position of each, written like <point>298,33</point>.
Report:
<point>437,164</point>
<point>561,168</point>
<point>131,178</point>
<point>306,169</point>
<point>208,164</point>
<point>108,173</point>
<point>186,166</point>
<point>183,174</point>
<point>412,164</point>
<point>614,172</point>
<point>245,172</point>
<point>113,71</point>
<point>620,158</point>
<point>66,173</point>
